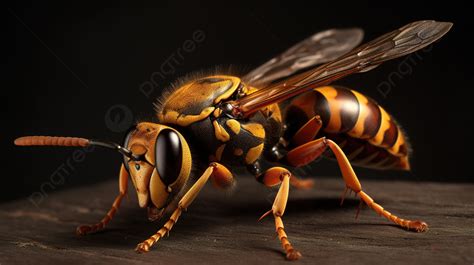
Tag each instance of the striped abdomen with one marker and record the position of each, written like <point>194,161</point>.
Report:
<point>368,135</point>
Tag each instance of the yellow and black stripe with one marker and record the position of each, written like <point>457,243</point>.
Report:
<point>368,135</point>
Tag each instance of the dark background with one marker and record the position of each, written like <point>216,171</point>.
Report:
<point>77,70</point>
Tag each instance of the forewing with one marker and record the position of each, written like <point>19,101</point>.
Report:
<point>320,48</point>
<point>397,43</point>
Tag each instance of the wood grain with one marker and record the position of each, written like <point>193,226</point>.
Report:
<point>222,227</point>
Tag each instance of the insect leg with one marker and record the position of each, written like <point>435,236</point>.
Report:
<point>214,170</point>
<point>296,182</point>
<point>282,176</point>
<point>123,184</point>
<point>222,178</point>
<point>306,153</point>
<point>353,183</point>
<point>301,184</point>
<point>307,132</point>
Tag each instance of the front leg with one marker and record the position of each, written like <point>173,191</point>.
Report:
<point>272,176</point>
<point>123,185</point>
<point>215,171</point>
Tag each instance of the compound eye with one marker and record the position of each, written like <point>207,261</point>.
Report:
<point>168,156</point>
<point>126,141</point>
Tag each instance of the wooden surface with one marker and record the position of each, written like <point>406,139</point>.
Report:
<point>222,227</point>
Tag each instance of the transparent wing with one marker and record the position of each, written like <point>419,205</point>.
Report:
<point>397,43</point>
<point>320,48</point>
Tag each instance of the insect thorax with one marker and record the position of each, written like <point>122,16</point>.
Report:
<point>194,110</point>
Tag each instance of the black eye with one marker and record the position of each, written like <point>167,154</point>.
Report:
<point>137,166</point>
<point>125,144</point>
<point>168,156</point>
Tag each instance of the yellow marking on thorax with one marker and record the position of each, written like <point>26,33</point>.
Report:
<point>220,132</point>
<point>217,112</point>
<point>235,84</point>
<point>181,97</point>
<point>249,90</point>
<point>196,91</point>
<point>253,154</point>
<point>335,123</point>
<point>255,129</point>
<point>273,111</point>
<point>169,117</point>
<point>364,112</point>
<point>219,151</point>
<point>233,125</point>
<point>377,140</point>
<point>174,117</point>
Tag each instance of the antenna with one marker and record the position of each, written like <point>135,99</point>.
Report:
<point>72,141</point>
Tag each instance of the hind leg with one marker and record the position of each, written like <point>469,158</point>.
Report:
<point>306,133</point>
<point>352,182</point>
<point>308,152</point>
<point>301,184</point>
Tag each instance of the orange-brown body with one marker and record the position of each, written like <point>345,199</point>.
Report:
<point>220,122</point>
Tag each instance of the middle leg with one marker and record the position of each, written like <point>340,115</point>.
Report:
<point>272,177</point>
